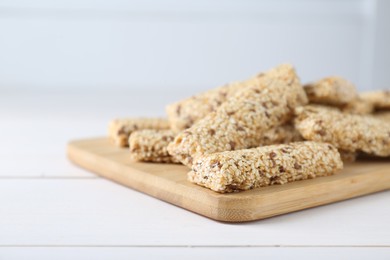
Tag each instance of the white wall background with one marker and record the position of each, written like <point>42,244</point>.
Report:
<point>187,46</point>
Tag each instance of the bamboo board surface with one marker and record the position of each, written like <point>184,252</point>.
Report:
<point>168,182</point>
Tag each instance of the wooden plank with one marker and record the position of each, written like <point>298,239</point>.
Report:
<point>98,212</point>
<point>168,182</point>
<point>196,253</point>
<point>40,166</point>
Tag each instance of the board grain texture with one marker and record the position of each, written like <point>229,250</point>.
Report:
<point>168,182</point>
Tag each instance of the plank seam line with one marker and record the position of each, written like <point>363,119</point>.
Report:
<point>172,15</point>
<point>199,246</point>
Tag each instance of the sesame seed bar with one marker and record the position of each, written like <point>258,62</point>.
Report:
<point>380,99</point>
<point>242,120</point>
<point>331,91</point>
<point>119,130</point>
<point>246,169</point>
<point>151,145</point>
<point>185,113</point>
<point>345,131</point>
<point>359,107</point>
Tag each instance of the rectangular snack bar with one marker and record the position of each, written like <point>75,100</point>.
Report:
<point>243,119</point>
<point>345,131</point>
<point>331,91</point>
<point>185,113</point>
<point>268,165</point>
<point>119,130</point>
<point>358,106</point>
<point>151,145</point>
<point>380,98</point>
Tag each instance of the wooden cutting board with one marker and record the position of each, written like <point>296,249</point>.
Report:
<point>168,183</point>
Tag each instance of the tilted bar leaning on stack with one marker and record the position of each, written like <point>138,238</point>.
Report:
<point>331,91</point>
<point>258,167</point>
<point>185,113</point>
<point>151,145</point>
<point>119,130</point>
<point>243,119</point>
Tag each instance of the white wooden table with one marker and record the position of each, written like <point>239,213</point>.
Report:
<point>51,209</point>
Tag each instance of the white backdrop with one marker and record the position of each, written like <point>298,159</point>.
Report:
<point>187,46</point>
<point>68,67</point>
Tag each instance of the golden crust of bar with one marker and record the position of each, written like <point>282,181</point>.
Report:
<point>346,131</point>
<point>151,145</point>
<point>358,106</point>
<point>120,129</point>
<point>243,119</point>
<point>331,91</point>
<point>247,169</point>
<point>380,98</point>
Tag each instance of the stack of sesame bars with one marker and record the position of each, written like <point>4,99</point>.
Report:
<point>269,129</point>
